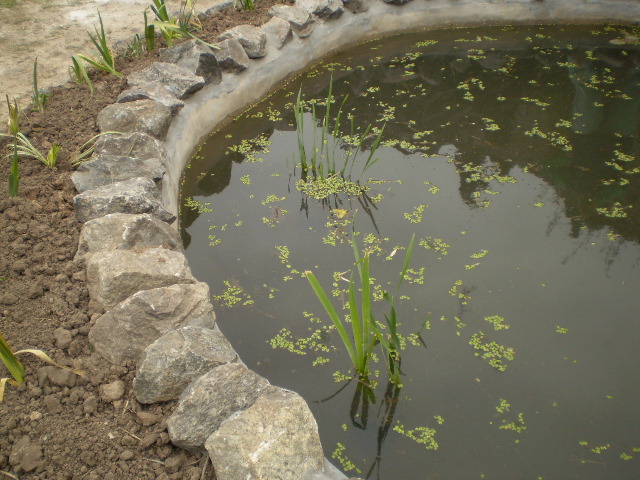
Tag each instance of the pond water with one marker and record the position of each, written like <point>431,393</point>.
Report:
<point>512,154</point>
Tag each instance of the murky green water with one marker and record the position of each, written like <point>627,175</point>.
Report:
<point>513,155</point>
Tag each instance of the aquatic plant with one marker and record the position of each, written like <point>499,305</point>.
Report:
<point>365,330</point>
<point>322,160</point>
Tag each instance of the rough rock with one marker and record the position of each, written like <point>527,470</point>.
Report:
<point>137,195</point>
<point>8,298</point>
<point>61,377</point>
<point>180,81</point>
<point>301,22</point>
<point>106,169</point>
<point>121,231</point>
<point>63,337</point>
<point>138,145</point>
<point>110,392</point>
<point>278,31</point>
<point>196,58</point>
<point>152,91</point>
<point>253,39</point>
<point>170,363</point>
<point>210,400</point>
<point>114,276</point>
<point>145,116</point>
<point>122,334</point>
<point>356,6</point>
<point>26,455</point>
<point>277,437</point>
<point>324,9</point>
<point>231,56</point>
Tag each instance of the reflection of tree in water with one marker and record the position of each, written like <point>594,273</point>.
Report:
<point>586,102</point>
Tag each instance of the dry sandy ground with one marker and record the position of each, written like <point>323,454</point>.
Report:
<point>54,30</point>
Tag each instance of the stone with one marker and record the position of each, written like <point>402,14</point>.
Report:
<point>145,116</point>
<point>61,377</point>
<point>90,405</point>
<point>110,392</point>
<point>107,169</point>
<point>113,276</point>
<point>122,334</point>
<point>26,455</point>
<point>301,22</point>
<point>356,6</point>
<point>147,418</point>
<point>180,81</point>
<point>170,363</point>
<point>136,144</point>
<point>63,337</point>
<point>324,9</point>
<point>278,31</point>
<point>8,298</point>
<point>210,400</point>
<point>121,231</point>
<point>231,56</point>
<point>35,291</point>
<point>152,91</point>
<point>196,58</point>
<point>277,437</point>
<point>137,195</point>
<point>253,39</point>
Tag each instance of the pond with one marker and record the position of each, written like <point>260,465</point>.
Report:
<point>513,156</point>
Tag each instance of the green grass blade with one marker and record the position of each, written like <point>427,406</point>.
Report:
<point>372,152</point>
<point>81,72</point>
<point>356,327</point>
<point>335,319</point>
<point>367,319</point>
<point>407,259</point>
<point>10,361</point>
<point>14,176</point>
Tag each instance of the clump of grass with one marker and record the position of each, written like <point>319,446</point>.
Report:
<point>38,98</point>
<point>174,28</point>
<point>365,330</point>
<point>149,34</point>
<point>105,63</point>
<point>246,5</point>
<point>322,159</point>
<point>24,148</point>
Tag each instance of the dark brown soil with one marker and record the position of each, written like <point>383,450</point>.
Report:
<point>67,430</point>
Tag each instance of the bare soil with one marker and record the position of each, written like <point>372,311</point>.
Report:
<point>66,428</point>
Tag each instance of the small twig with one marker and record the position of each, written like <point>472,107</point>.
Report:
<point>204,468</point>
<point>132,434</point>
<point>153,460</point>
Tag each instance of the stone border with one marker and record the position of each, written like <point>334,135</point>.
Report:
<point>147,307</point>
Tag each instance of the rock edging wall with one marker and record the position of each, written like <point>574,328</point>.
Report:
<point>148,308</point>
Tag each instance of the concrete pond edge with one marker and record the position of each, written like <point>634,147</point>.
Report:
<point>147,308</point>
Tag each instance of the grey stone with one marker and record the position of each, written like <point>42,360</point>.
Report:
<point>35,291</point>
<point>231,56</point>
<point>137,195</point>
<point>63,337</point>
<point>218,7</point>
<point>356,6</point>
<point>324,9</point>
<point>277,437</point>
<point>180,81</point>
<point>136,144</point>
<point>106,169</point>
<point>210,400</point>
<point>253,39</point>
<point>122,334</point>
<point>279,31</point>
<point>145,116</point>
<point>114,276</point>
<point>25,454</point>
<point>110,392</point>
<point>8,298</point>
<point>58,376</point>
<point>301,22</point>
<point>152,91</point>
<point>170,363</point>
<point>196,58</point>
<point>121,231</point>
